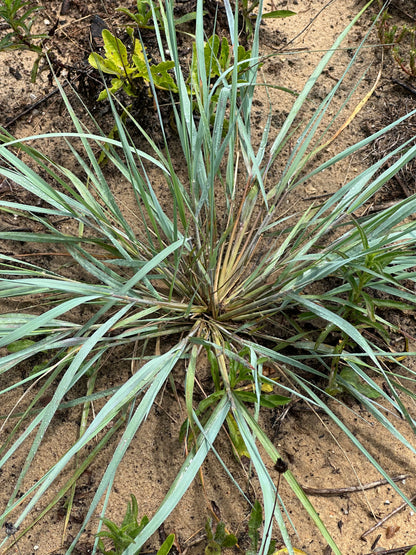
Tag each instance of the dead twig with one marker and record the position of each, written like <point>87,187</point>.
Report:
<point>387,517</point>
<point>30,108</point>
<point>399,8</point>
<point>40,101</point>
<point>352,489</point>
<point>405,86</point>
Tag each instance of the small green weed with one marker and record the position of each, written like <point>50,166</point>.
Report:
<point>144,14</point>
<point>124,535</point>
<point>20,16</point>
<point>147,11</point>
<point>218,539</point>
<point>400,41</point>
<point>133,72</point>
<point>242,383</point>
<point>254,525</point>
<point>218,59</point>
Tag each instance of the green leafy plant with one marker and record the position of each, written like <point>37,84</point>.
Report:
<point>132,73</point>
<point>254,524</point>
<point>218,539</point>
<point>20,15</point>
<point>218,59</point>
<point>144,14</point>
<point>400,42</point>
<point>194,282</point>
<point>147,11</point>
<point>124,535</point>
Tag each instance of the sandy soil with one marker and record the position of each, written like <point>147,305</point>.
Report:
<point>317,452</point>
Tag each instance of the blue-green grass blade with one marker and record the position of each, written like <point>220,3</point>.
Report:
<point>348,433</point>
<point>99,139</point>
<point>287,126</point>
<point>288,476</point>
<point>266,483</point>
<point>29,327</point>
<point>186,475</point>
<point>123,396</point>
<point>159,368</point>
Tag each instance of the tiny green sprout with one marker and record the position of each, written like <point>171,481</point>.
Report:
<point>144,14</point>
<point>219,62</point>
<point>218,58</point>
<point>133,72</point>
<point>219,539</point>
<point>124,535</point>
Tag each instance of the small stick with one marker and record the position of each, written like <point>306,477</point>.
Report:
<point>37,103</point>
<point>352,489</point>
<point>30,108</point>
<point>405,86</point>
<point>375,542</point>
<point>383,520</point>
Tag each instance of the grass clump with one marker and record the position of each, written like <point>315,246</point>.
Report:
<point>197,284</point>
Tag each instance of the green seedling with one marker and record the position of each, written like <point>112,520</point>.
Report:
<point>362,307</point>
<point>219,539</point>
<point>132,73</point>
<point>124,535</point>
<point>20,15</point>
<point>144,14</point>
<point>254,524</point>
<point>400,41</point>
<point>147,11</point>
<point>218,58</point>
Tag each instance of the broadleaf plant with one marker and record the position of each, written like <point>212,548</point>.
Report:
<point>133,72</point>
<point>147,11</point>
<point>182,277</point>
